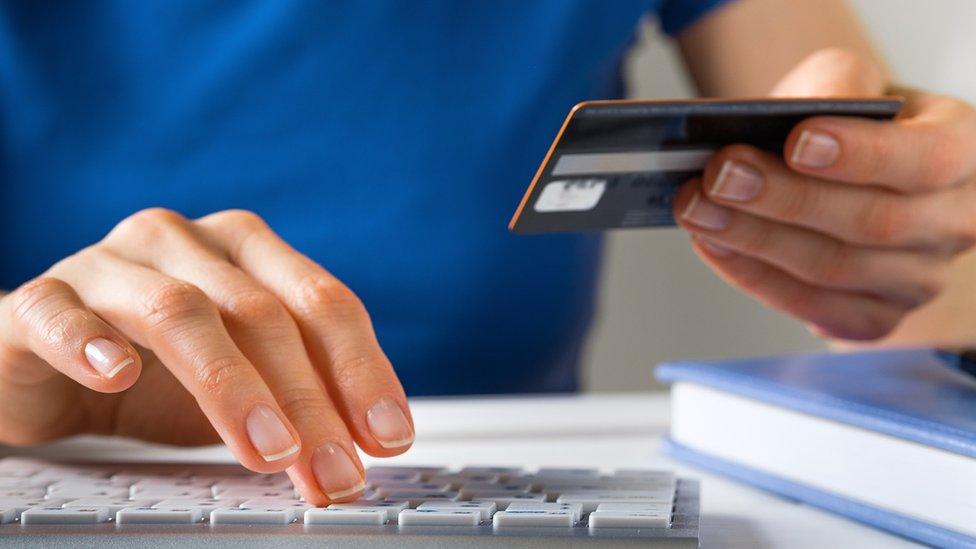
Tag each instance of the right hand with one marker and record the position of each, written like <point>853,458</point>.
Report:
<point>180,331</point>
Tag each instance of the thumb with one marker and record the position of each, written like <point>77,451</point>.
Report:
<point>833,72</point>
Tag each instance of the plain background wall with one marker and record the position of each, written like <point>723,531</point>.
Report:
<point>657,301</point>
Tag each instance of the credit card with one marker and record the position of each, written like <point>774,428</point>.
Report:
<point>619,164</point>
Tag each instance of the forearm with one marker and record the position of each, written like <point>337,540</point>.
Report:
<point>746,46</point>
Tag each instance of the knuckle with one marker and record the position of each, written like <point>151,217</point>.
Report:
<point>846,64</point>
<point>832,266</point>
<point>799,203</point>
<point>217,377</point>
<point>253,304</point>
<point>304,404</point>
<point>875,326</point>
<point>173,301</point>
<point>943,163</point>
<point>884,220</point>
<point>149,222</point>
<point>929,287</point>
<point>352,367</point>
<point>840,57</point>
<point>34,295</point>
<point>758,241</point>
<point>323,295</point>
<point>964,237</point>
<point>876,156</point>
<point>239,218</point>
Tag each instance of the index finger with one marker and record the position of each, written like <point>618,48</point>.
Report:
<point>335,327</point>
<point>934,147</point>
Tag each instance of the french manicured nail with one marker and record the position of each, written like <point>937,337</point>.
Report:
<point>738,182</point>
<point>715,249</point>
<point>816,150</point>
<point>107,356</point>
<point>705,214</point>
<point>389,424</point>
<point>336,473</point>
<point>269,435</point>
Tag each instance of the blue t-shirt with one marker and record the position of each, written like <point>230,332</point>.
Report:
<point>388,140</point>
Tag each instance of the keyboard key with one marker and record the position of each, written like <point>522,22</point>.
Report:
<point>113,505</point>
<point>256,483</point>
<point>298,506</point>
<point>252,492</point>
<point>590,500</point>
<point>378,479</point>
<point>439,517</point>
<point>390,508</point>
<point>20,467</point>
<point>205,505</point>
<point>155,515</point>
<point>644,474</point>
<point>486,508</point>
<point>556,517</point>
<point>18,483</point>
<point>563,472</point>
<point>8,514</point>
<point>456,481</point>
<point>503,472</point>
<point>503,501</point>
<point>422,470</point>
<point>629,519</point>
<point>476,490</point>
<point>415,498</point>
<point>76,491</point>
<point>128,477</point>
<point>60,515</point>
<point>165,482</point>
<point>556,490</point>
<point>654,507</point>
<point>351,515</point>
<point>23,504</point>
<point>23,493</point>
<point>384,491</point>
<point>252,515</point>
<point>574,508</point>
<point>168,492</point>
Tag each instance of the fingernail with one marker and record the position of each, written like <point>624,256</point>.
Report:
<point>715,249</point>
<point>737,181</point>
<point>107,356</point>
<point>388,424</point>
<point>706,214</point>
<point>336,473</point>
<point>269,435</point>
<point>816,150</point>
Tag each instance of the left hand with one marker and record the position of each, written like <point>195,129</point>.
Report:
<point>859,221</point>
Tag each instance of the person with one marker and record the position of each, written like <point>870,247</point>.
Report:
<point>202,199</point>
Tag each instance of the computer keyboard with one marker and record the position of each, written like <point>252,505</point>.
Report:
<point>54,503</point>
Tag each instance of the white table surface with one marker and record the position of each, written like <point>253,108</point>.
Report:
<point>606,431</point>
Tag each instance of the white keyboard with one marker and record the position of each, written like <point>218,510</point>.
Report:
<point>419,503</point>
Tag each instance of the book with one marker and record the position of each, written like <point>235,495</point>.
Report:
<point>885,437</point>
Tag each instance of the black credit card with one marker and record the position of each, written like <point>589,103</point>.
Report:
<point>619,164</point>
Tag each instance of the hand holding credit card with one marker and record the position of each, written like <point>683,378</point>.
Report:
<point>619,164</point>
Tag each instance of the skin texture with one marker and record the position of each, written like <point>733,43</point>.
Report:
<point>874,247</point>
<point>214,317</point>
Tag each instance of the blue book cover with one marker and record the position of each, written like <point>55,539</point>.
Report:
<point>911,394</point>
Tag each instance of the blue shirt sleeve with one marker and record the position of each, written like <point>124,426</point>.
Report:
<point>677,15</point>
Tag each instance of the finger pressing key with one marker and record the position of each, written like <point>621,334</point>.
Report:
<point>334,324</point>
<point>183,327</point>
<point>261,327</point>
